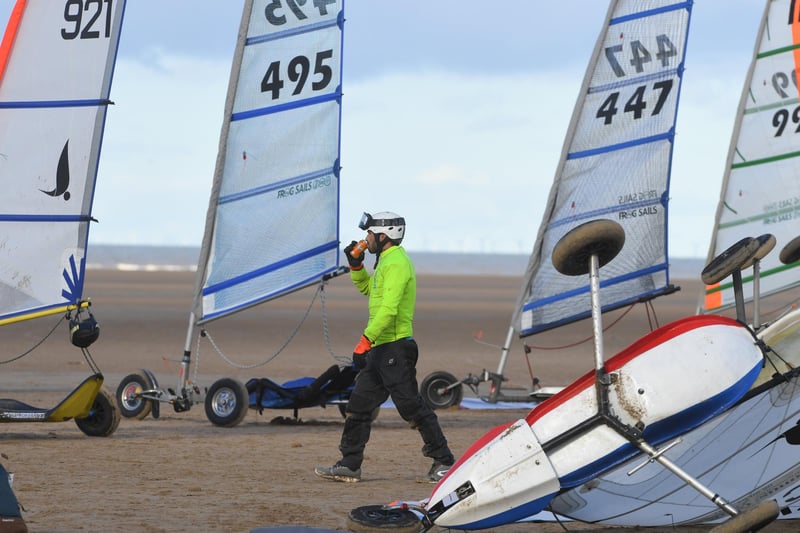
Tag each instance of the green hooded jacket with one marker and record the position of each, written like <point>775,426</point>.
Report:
<point>392,291</point>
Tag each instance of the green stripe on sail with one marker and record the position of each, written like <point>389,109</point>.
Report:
<point>756,218</point>
<point>777,51</point>
<point>748,279</point>
<point>765,160</point>
<point>769,107</point>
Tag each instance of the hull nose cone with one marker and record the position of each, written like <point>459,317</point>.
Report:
<point>505,480</point>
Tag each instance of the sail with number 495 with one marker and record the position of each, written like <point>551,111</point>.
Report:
<point>273,218</point>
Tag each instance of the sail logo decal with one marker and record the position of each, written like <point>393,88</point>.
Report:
<point>73,280</point>
<point>62,175</point>
<point>307,186</point>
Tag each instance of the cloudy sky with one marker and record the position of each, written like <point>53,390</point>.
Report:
<point>454,115</point>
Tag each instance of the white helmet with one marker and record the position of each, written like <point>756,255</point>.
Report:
<point>390,224</point>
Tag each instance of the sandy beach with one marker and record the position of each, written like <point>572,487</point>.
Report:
<point>180,473</point>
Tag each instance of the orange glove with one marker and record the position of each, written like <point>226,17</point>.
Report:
<point>364,345</point>
<point>360,352</point>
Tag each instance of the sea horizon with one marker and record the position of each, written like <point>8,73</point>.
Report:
<point>184,259</point>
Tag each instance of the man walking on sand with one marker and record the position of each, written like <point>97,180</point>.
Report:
<point>387,353</point>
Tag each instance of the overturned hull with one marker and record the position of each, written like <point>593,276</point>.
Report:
<point>748,453</point>
<point>667,383</point>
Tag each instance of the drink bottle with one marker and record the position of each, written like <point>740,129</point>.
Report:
<point>359,248</point>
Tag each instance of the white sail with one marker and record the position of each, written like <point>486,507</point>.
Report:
<point>272,222</point>
<point>56,67</point>
<point>761,190</point>
<point>615,164</point>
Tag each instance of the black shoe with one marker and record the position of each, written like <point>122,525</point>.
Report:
<point>338,472</point>
<point>436,473</point>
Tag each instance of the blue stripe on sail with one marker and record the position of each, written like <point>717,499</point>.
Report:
<point>666,136</point>
<point>208,317</point>
<point>55,103</point>
<point>670,73</point>
<point>243,115</point>
<point>585,289</point>
<point>45,218</point>
<point>274,186</point>
<point>211,289</point>
<point>586,314</point>
<point>258,39</point>
<point>604,308</point>
<point>595,213</point>
<point>650,12</point>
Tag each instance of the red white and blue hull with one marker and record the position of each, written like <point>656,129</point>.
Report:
<point>667,383</point>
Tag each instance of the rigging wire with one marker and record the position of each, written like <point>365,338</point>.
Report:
<point>32,348</point>
<point>590,338</point>
<point>85,351</point>
<point>320,292</point>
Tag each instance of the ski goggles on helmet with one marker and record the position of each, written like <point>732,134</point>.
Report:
<point>367,222</point>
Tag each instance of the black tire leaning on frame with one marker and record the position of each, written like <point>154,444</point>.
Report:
<point>766,243</point>
<point>753,520</point>
<point>604,238</point>
<point>729,261</point>
<point>791,252</point>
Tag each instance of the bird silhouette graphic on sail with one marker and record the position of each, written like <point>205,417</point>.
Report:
<point>62,175</point>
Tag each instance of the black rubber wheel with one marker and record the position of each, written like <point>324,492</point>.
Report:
<point>766,243</point>
<point>103,418</point>
<point>753,520</point>
<point>603,238</point>
<point>373,416</point>
<point>791,252</point>
<point>131,406</point>
<point>375,517</point>
<point>434,390</point>
<point>730,261</point>
<point>227,402</point>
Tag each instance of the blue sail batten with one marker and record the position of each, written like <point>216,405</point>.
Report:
<point>582,290</point>
<point>44,218</point>
<point>633,81</point>
<point>650,12</point>
<point>602,212</point>
<point>668,136</point>
<point>279,185</point>
<point>54,104</point>
<point>244,115</point>
<point>569,319</point>
<point>259,39</point>
<point>211,289</point>
<point>246,304</point>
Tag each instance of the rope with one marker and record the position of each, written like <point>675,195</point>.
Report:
<point>325,333</point>
<point>319,292</point>
<point>85,351</point>
<point>587,339</point>
<point>90,361</point>
<point>32,348</point>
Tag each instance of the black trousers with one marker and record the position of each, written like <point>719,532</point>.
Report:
<point>391,371</point>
